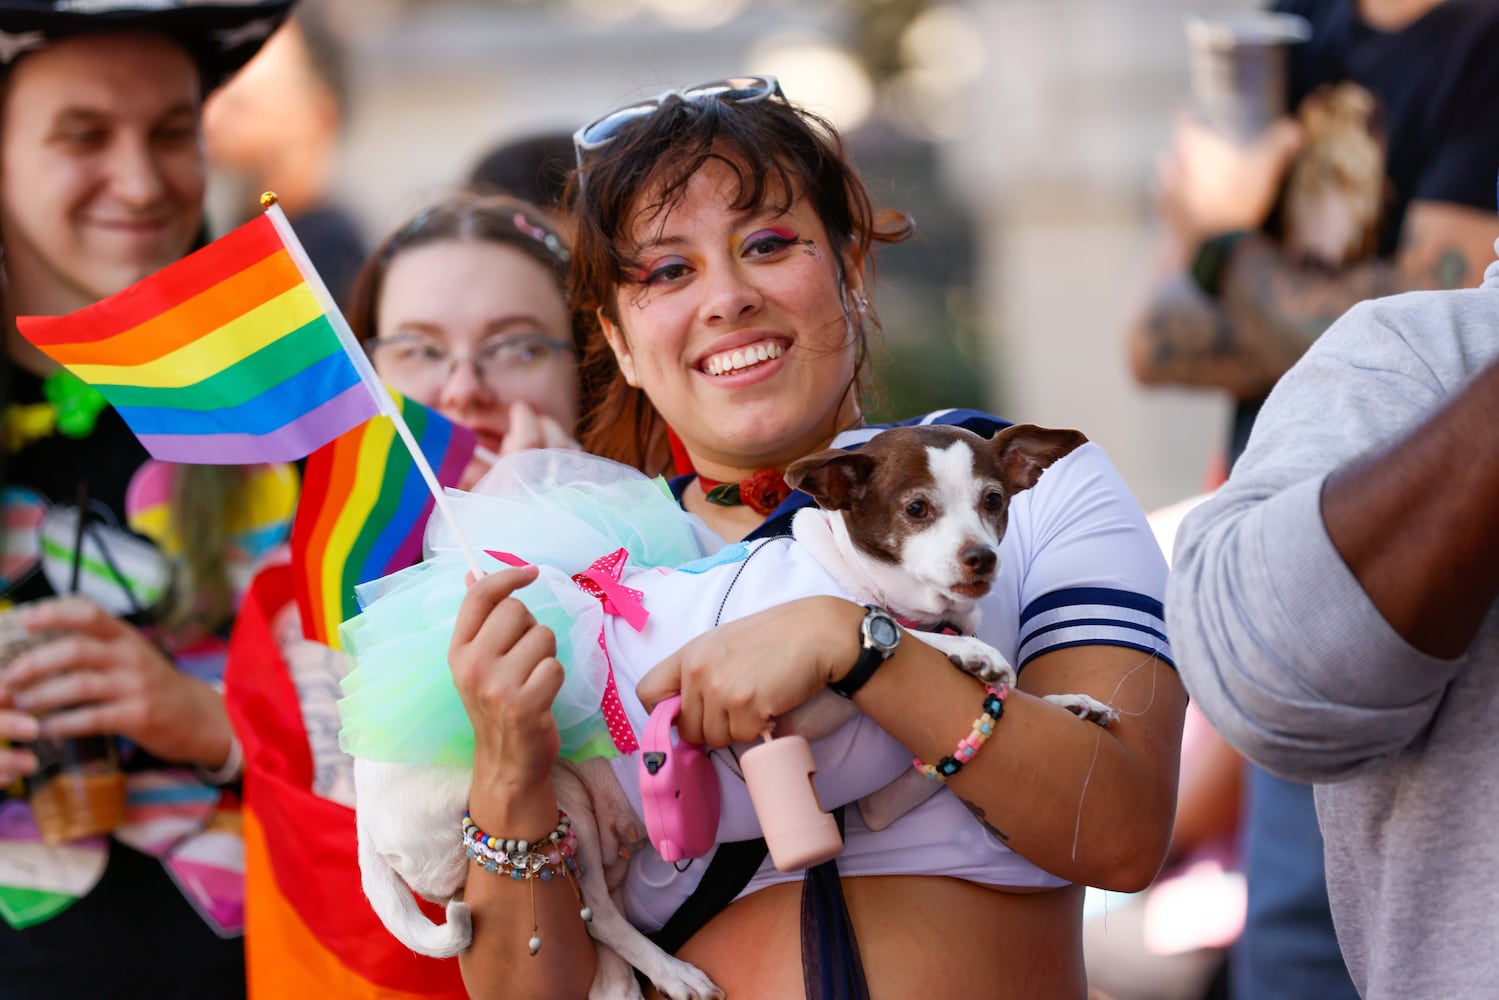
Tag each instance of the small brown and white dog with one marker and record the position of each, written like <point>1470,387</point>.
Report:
<point>912,521</point>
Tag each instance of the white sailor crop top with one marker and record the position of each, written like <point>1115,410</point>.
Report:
<point>1078,566</point>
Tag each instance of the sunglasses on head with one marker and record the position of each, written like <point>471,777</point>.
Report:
<point>733,89</point>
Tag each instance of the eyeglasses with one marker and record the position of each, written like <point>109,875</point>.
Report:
<point>734,89</point>
<point>500,362</point>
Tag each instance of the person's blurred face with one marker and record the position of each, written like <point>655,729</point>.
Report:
<point>733,325</point>
<point>276,99</point>
<point>443,305</point>
<point>101,167</point>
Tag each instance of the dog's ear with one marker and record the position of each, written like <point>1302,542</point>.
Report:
<point>1023,451</point>
<point>832,477</point>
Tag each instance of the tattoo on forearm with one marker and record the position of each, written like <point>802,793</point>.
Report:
<point>978,814</point>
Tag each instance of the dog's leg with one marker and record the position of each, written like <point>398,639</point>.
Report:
<point>674,978</point>
<point>884,806</point>
<point>972,656</point>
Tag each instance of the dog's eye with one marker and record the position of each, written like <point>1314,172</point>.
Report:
<point>993,500</point>
<point>917,509</point>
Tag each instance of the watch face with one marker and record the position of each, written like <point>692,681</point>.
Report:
<point>884,631</point>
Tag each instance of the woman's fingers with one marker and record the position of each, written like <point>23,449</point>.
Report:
<point>482,599</point>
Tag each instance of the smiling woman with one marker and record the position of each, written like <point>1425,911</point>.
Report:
<point>463,309</point>
<point>722,251</point>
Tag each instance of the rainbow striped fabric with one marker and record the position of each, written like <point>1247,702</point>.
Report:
<point>363,508</point>
<point>226,356</point>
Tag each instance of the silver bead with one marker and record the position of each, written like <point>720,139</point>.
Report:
<point>587,914</point>
<point>522,846</point>
<point>535,943</point>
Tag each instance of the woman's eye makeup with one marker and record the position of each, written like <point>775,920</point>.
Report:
<point>769,240</point>
<point>663,269</point>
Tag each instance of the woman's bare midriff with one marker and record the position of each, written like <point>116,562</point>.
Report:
<point>926,937</point>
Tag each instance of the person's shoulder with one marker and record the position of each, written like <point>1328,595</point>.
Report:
<point>981,423</point>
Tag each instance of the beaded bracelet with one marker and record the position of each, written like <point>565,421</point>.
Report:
<point>553,855</point>
<point>968,746</point>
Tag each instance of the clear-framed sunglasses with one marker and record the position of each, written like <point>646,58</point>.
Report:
<point>417,360</point>
<point>734,89</point>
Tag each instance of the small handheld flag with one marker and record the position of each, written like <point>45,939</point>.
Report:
<point>363,508</point>
<point>234,354</point>
<point>226,356</point>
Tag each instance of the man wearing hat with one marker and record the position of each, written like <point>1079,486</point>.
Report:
<point>101,184</point>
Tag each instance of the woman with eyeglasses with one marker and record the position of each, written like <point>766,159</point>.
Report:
<point>722,251</point>
<point>463,309</point>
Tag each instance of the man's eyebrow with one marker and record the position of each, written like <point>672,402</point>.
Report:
<point>84,115</point>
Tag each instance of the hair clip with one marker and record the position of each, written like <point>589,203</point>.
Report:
<point>542,236</point>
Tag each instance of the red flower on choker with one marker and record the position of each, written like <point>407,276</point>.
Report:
<point>761,492</point>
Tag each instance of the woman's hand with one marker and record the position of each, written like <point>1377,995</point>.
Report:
<point>529,429</point>
<point>103,676</point>
<point>507,673</point>
<point>16,727</point>
<point>738,677</point>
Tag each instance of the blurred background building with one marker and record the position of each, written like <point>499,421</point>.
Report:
<point>1021,134</point>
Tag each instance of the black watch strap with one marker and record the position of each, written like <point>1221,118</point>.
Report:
<point>870,656</point>
<point>864,667</point>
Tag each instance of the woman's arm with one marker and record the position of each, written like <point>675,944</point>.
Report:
<point>1088,804</point>
<point>506,671</point>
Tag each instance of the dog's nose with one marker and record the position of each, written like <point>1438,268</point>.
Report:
<point>979,558</point>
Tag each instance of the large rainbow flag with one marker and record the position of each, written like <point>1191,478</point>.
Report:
<point>227,356</point>
<point>363,508</point>
<point>308,930</point>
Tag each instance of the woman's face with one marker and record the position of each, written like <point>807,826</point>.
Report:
<point>733,325</point>
<point>101,167</point>
<point>445,306</point>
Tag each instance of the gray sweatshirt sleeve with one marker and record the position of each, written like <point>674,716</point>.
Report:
<point>1274,637</point>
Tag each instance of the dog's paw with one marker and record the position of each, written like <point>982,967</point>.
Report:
<point>1086,708</point>
<point>976,657</point>
<point>682,981</point>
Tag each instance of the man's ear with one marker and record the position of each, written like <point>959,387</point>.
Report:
<point>621,348</point>
<point>833,478</point>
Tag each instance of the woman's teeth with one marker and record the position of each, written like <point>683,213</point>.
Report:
<point>746,357</point>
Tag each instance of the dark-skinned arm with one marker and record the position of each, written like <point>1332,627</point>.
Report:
<point>1428,558</point>
<point>1271,309</point>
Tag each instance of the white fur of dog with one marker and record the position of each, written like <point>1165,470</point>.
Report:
<point>912,521</point>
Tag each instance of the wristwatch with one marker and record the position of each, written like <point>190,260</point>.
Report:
<point>880,634</point>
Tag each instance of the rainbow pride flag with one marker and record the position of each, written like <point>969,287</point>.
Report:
<point>363,508</point>
<point>227,356</point>
<point>308,930</point>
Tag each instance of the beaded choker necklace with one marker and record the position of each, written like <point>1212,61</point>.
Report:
<point>761,492</point>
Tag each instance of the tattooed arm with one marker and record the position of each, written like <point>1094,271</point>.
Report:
<point>1271,309</point>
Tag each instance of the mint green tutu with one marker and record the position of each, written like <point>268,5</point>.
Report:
<point>561,510</point>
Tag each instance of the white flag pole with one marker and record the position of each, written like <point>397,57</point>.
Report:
<point>383,399</point>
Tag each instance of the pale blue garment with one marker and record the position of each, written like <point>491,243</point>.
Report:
<point>560,510</point>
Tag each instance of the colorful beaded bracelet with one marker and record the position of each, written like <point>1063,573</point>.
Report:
<point>968,746</point>
<point>553,855</point>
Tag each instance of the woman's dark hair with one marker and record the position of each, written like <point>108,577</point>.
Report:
<point>778,151</point>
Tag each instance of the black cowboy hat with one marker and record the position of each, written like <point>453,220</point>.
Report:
<point>221,35</point>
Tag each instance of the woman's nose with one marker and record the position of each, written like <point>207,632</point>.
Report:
<point>729,296</point>
<point>464,386</point>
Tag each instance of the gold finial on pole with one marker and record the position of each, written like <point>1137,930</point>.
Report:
<point>268,199</point>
